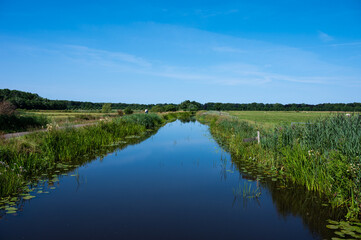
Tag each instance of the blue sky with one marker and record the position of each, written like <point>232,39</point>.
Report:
<point>170,51</point>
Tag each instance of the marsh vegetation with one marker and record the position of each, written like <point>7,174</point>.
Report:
<point>323,155</point>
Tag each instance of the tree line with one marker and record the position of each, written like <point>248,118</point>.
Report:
<point>32,101</point>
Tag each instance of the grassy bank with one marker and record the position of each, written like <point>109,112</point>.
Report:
<point>323,155</point>
<point>23,159</point>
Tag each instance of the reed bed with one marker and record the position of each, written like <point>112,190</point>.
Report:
<point>323,155</point>
<point>25,158</point>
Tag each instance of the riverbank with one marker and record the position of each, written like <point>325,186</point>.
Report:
<point>27,158</point>
<point>323,156</point>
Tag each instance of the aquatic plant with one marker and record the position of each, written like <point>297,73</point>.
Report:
<point>32,155</point>
<point>323,155</point>
<point>247,191</point>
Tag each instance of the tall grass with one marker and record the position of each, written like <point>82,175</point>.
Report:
<point>23,158</point>
<point>148,120</point>
<point>12,123</point>
<point>323,155</point>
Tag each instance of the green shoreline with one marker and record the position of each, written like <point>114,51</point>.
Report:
<point>26,159</point>
<point>331,171</point>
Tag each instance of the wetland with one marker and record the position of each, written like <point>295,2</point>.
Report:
<point>177,183</point>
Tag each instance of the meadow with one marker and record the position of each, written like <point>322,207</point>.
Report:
<point>62,117</point>
<point>270,119</point>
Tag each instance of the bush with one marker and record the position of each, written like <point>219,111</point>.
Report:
<point>7,108</point>
<point>14,123</point>
<point>128,110</point>
<point>120,112</point>
<point>157,108</point>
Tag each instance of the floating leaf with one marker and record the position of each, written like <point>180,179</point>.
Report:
<point>10,212</point>
<point>28,197</point>
<point>11,209</point>
<point>340,234</point>
<point>332,226</point>
<point>348,232</point>
<point>274,179</point>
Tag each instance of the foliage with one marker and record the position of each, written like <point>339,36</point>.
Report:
<point>120,112</point>
<point>157,108</point>
<point>7,108</point>
<point>323,155</point>
<point>107,107</point>
<point>29,156</point>
<point>190,106</point>
<point>128,110</point>
<point>15,123</point>
<point>25,100</point>
<point>150,121</point>
<point>170,108</point>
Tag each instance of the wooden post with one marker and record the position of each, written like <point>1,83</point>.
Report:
<point>258,137</point>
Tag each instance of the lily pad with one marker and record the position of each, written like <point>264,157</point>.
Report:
<point>341,234</point>
<point>11,209</point>
<point>332,226</point>
<point>28,197</point>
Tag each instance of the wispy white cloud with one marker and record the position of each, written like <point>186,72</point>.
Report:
<point>227,74</point>
<point>325,37</point>
<point>102,56</point>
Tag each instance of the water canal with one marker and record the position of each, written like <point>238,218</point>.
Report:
<point>177,184</point>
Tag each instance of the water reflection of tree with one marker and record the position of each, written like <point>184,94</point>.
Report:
<point>295,200</point>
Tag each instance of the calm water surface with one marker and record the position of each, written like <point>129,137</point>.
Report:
<point>177,184</point>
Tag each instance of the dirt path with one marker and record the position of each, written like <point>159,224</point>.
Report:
<point>18,134</point>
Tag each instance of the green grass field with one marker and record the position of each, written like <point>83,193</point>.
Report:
<point>271,119</point>
<point>71,117</point>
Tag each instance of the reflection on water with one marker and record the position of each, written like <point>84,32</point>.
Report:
<point>177,184</point>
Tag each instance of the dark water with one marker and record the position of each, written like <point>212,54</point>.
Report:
<point>178,184</point>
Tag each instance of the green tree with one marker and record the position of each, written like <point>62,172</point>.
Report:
<point>170,108</point>
<point>157,108</point>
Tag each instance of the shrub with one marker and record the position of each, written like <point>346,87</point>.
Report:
<point>120,112</point>
<point>7,108</point>
<point>128,110</point>
<point>157,108</point>
<point>15,123</point>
